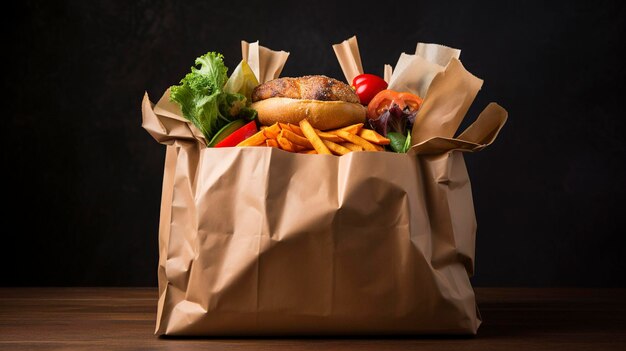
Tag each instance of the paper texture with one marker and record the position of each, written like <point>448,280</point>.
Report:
<point>265,63</point>
<point>259,241</point>
<point>435,73</point>
<point>435,53</point>
<point>449,96</point>
<point>388,71</point>
<point>349,58</point>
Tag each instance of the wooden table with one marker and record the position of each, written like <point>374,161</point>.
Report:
<point>123,319</point>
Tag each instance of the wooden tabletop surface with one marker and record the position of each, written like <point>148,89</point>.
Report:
<point>123,319</point>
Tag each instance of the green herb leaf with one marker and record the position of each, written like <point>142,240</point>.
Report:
<point>407,142</point>
<point>397,141</point>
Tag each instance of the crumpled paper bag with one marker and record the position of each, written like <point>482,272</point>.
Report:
<point>259,241</point>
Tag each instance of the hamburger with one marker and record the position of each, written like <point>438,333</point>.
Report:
<point>325,102</point>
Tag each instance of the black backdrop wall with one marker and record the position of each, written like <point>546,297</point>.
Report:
<point>82,179</point>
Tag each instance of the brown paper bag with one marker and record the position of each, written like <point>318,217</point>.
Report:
<point>265,63</point>
<point>259,241</point>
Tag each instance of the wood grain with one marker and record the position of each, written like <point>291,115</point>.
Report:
<point>123,319</point>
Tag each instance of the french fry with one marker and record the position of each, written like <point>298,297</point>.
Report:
<point>310,152</point>
<point>328,136</point>
<point>262,127</point>
<point>285,144</point>
<point>272,131</point>
<point>351,146</point>
<point>336,148</point>
<point>315,140</point>
<point>323,135</point>
<point>306,139</point>
<point>294,128</point>
<point>367,146</point>
<point>296,139</point>
<point>284,126</point>
<point>255,140</point>
<point>373,137</point>
<point>352,129</point>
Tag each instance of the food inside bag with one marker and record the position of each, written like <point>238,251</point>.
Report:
<point>381,115</point>
<point>254,240</point>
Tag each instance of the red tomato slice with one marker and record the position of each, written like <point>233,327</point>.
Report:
<point>384,99</point>
<point>239,135</point>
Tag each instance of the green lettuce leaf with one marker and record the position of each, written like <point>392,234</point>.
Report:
<point>396,141</point>
<point>399,142</point>
<point>407,142</point>
<point>203,100</point>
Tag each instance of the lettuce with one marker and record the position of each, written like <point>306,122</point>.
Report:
<point>395,124</point>
<point>399,142</point>
<point>203,100</point>
<point>394,120</point>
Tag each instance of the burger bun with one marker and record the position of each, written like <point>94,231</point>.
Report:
<point>322,115</point>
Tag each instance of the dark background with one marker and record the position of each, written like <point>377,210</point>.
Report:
<point>82,178</point>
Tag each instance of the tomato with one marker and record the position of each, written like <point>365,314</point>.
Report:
<point>384,99</point>
<point>239,135</point>
<point>366,86</point>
